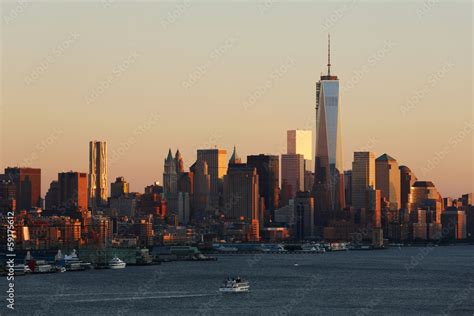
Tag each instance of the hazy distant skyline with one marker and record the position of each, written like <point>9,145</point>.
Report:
<point>147,76</point>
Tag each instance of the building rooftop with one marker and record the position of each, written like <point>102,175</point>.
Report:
<point>385,157</point>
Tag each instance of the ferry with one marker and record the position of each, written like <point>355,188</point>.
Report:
<point>234,285</point>
<point>116,263</point>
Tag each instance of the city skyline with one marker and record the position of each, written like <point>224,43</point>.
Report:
<point>142,130</point>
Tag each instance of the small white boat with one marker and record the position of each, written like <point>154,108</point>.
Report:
<point>116,263</point>
<point>234,285</point>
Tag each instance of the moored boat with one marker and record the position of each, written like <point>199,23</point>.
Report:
<point>116,263</point>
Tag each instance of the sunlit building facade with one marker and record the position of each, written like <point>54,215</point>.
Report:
<point>98,185</point>
<point>329,173</point>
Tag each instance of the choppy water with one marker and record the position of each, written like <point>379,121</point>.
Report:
<point>396,281</point>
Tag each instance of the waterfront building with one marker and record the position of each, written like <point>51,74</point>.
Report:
<point>424,195</point>
<point>304,216</point>
<point>98,184</point>
<point>387,179</point>
<point>454,224</point>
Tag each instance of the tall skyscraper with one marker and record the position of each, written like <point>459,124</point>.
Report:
<point>300,142</point>
<point>201,188</point>
<point>98,185</point>
<point>329,179</point>
<point>241,195</point>
<point>363,178</point>
<point>170,183</point>
<point>73,190</point>
<point>387,179</point>
<point>407,179</point>
<point>268,178</point>
<point>292,173</point>
<point>28,186</point>
<point>216,160</point>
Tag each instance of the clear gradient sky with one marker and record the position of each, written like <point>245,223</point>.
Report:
<point>149,75</point>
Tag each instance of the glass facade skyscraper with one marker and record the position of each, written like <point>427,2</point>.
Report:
<point>329,175</point>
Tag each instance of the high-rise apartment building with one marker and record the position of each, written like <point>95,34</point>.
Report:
<point>98,185</point>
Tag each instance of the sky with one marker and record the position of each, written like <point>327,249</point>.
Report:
<point>146,76</point>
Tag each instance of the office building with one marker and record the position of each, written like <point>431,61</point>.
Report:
<point>387,180</point>
<point>73,190</point>
<point>363,177</point>
<point>268,171</point>
<point>329,180</point>
<point>27,182</point>
<point>216,160</point>
<point>292,173</point>
<point>407,179</point>
<point>119,188</point>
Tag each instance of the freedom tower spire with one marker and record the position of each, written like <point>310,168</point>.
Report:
<point>328,188</point>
